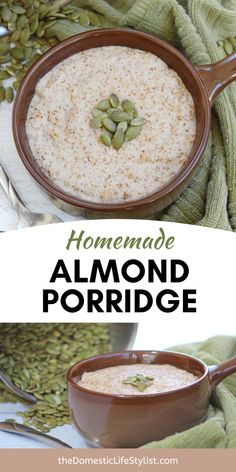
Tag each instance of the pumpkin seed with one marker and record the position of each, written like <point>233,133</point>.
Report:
<point>75,16</point>
<point>40,30</point>
<point>6,13</point>
<point>21,22</point>
<point>118,116</point>
<point>44,373</point>
<point>122,126</point>
<point>118,139</point>
<point>139,121</point>
<point>30,10</point>
<point>103,105</point>
<point>9,94</point>
<point>4,58</point>
<point>94,19</point>
<point>11,71</point>
<point>228,47</point>
<point>4,75</point>
<point>97,122</point>
<point>2,93</point>
<point>28,53</point>
<point>4,47</point>
<point>97,112</point>
<point>18,9</point>
<point>68,10</point>
<point>84,19</point>
<point>105,138</point>
<point>34,25</point>
<point>110,110</point>
<point>17,53</point>
<point>114,100</point>
<point>132,132</point>
<point>128,105</point>
<point>15,36</point>
<point>109,125</point>
<point>25,34</point>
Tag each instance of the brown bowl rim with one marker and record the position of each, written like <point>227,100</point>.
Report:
<point>57,192</point>
<point>131,397</point>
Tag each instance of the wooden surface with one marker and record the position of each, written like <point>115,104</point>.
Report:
<point>34,198</point>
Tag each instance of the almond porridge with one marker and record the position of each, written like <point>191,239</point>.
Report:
<point>71,154</point>
<point>127,379</point>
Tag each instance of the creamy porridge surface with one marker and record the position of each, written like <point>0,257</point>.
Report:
<point>110,380</point>
<point>68,150</point>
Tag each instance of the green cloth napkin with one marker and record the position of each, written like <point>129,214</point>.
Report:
<point>219,429</point>
<point>195,26</point>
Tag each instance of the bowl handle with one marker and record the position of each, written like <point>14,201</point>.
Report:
<point>217,76</point>
<point>219,372</point>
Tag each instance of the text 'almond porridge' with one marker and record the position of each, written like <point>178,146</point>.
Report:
<point>137,379</point>
<point>72,154</point>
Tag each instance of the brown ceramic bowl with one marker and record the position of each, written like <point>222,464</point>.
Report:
<point>119,421</point>
<point>203,82</point>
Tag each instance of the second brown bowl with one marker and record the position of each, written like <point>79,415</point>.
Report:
<point>118,421</point>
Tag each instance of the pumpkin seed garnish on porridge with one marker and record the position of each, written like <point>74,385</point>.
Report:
<point>139,381</point>
<point>119,121</point>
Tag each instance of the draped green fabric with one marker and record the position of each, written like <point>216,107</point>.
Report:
<point>219,429</point>
<point>195,26</point>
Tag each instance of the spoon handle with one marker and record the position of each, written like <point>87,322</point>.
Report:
<point>20,393</point>
<point>10,191</point>
<point>17,428</point>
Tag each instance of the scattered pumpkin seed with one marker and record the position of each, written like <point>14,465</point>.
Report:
<point>122,126</point>
<point>18,9</point>
<point>4,74</point>
<point>110,110</point>
<point>94,19</point>
<point>9,94</point>
<point>36,357</point>
<point>109,124</point>
<point>6,13</point>
<point>132,132</point>
<point>97,112</point>
<point>36,25</point>
<point>114,100</point>
<point>139,121</point>
<point>118,140</point>
<point>120,115</point>
<point>21,22</point>
<point>105,138</point>
<point>103,105</point>
<point>128,105</point>
<point>84,19</point>
<point>2,93</point>
<point>15,36</point>
<point>4,47</point>
<point>4,58</point>
<point>97,122</point>
<point>17,52</point>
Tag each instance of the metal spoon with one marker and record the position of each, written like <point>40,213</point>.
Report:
<point>20,393</point>
<point>26,218</point>
<point>10,427</point>
<point>4,31</point>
